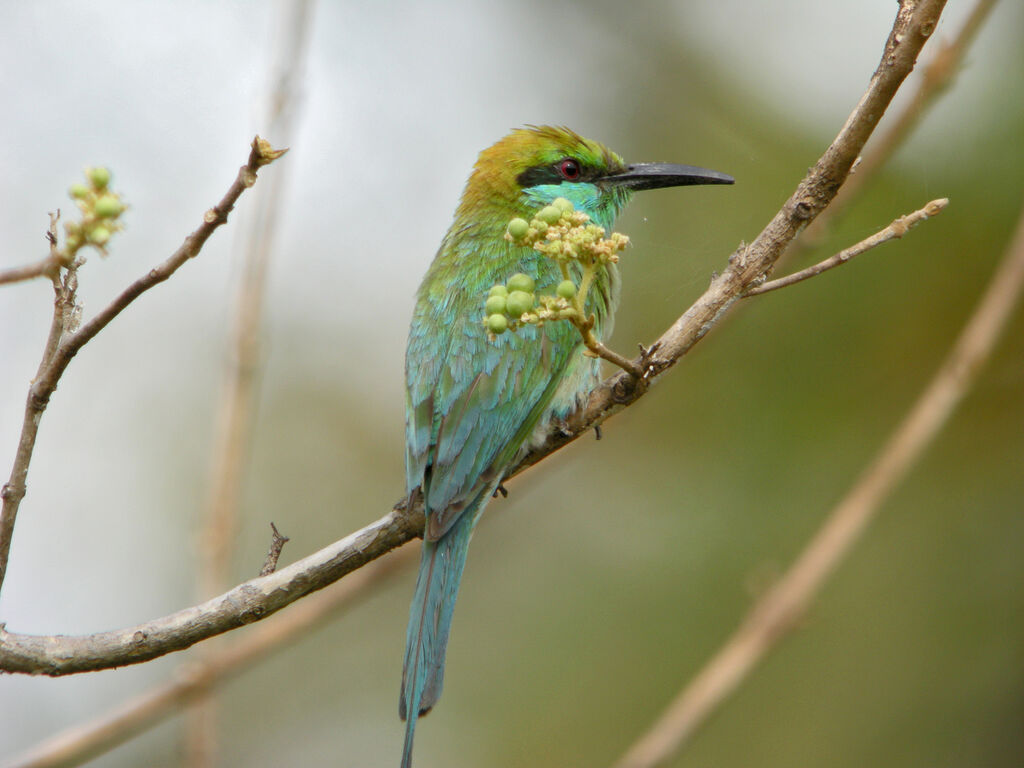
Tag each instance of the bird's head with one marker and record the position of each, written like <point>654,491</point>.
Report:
<point>532,166</point>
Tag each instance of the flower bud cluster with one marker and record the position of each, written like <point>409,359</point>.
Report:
<point>566,235</point>
<point>101,212</point>
<point>562,233</point>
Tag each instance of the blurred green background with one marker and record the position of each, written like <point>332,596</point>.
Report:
<point>616,568</point>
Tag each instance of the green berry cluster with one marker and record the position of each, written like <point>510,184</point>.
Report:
<point>101,210</point>
<point>507,304</point>
<point>566,235</point>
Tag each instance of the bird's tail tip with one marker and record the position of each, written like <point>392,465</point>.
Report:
<point>410,730</point>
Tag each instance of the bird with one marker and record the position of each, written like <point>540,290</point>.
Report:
<point>476,401</point>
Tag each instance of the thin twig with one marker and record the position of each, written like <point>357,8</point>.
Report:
<point>597,349</point>
<point>69,344</point>
<point>89,740</point>
<point>277,543</point>
<point>896,230</point>
<point>262,596</point>
<point>776,613</point>
<point>43,268</point>
<point>248,602</point>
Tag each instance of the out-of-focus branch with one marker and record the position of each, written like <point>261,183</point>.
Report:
<point>936,76</point>
<point>896,230</point>
<point>776,613</point>
<point>65,342</point>
<point>915,21</point>
<point>193,679</point>
<point>243,363</point>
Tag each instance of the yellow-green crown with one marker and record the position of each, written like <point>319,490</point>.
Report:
<point>535,155</point>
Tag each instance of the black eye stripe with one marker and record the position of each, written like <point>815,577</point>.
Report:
<point>554,174</point>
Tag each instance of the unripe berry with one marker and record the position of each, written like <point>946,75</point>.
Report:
<point>78,191</point>
<point>520,281</point>
<point>497,324</point>
<point>563,205</point>
<point>549,214</point>
<point>518,302</point>
<point>566,289</point>
<point>108,207</point>
<point>99,235</point>
<point>498,290</point>
<point>518,228</point>
<point>99,177</point>
<point>495,305</point>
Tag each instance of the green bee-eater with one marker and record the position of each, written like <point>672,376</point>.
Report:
<point>474,402</point>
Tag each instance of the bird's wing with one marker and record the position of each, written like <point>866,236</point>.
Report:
<point>469,411</point>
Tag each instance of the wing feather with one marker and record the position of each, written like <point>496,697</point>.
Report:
<point>487,413</point>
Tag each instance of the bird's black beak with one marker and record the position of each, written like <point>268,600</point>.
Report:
<point>657,175</point>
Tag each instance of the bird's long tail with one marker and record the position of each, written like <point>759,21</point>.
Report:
<point>430,618</point>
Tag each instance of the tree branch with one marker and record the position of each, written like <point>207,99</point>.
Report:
<point>46,267</point>
<point>778,611</point>
<point>248,602</point>
<point>77,744</point>
<point>915,21</point>
<point>935,78</point>
<point>43,268</point>
<point>896,230</point>
<point>54,364</point>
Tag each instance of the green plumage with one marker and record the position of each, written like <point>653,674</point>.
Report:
<point>473,402</point>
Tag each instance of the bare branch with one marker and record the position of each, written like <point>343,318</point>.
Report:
<point>69,343</point>
<point>46,267</point>
<point>914,23</point>
<point>194,679</point>
<point>936,76</point>
<point>43,268</point>
<point>775,614</point>
<point>896,230</point>
<point>597,349</point>
<point>248,602</point>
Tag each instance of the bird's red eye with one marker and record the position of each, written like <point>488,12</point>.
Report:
<point>569,169</point>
